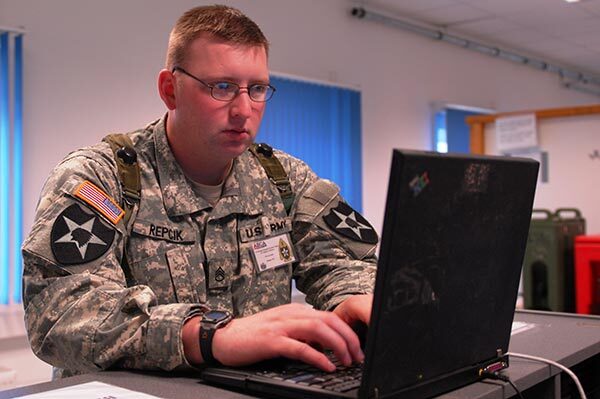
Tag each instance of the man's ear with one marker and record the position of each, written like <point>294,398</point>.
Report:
<point>166,88</point>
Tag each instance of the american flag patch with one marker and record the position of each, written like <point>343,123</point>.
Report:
<point>98,199</point>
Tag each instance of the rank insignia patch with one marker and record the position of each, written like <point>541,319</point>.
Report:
<point>349,223</point>
<point>220,274</point>
<point>98,199</point>
<point>79,236</point>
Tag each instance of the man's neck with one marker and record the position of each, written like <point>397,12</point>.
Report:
<point>199,175</point>
<point>201,168</point>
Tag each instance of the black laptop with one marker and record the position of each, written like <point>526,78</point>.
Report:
<point>450,260</point>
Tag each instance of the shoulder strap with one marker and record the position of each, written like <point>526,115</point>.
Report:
<point>129,176</point>
<point>128,169</point>
<point>275,172</point>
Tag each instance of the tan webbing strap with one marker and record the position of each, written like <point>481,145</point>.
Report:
<point>128,169</point>
<point>129,175</point>
<point>275,172</point>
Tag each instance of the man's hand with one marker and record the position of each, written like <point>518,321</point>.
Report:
<point>289,331</point>
<point>355,309</point>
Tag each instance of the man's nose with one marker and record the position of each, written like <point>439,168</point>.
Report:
<point>241,105</point>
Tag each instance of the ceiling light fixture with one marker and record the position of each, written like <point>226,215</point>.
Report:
<point>572,1</point>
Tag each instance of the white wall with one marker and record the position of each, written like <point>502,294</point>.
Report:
<point>18,364</point>
<point>90,69</point>
<point>572,173</point>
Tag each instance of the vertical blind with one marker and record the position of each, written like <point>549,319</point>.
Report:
<point>11,87</point>
<point>320,124</point>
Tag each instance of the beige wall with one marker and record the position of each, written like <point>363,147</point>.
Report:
<point>572,173</point>
<point>18,364</point>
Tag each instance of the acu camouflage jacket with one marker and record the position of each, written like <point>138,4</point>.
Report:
<point>184,255</point>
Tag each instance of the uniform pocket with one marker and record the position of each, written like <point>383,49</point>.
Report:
<point>265,290</point>
<point>187,274</point>
<point>255,290</point>
<point>174,276</point>
<point>154,272</point>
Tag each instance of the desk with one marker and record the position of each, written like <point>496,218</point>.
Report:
<point>571,340</point>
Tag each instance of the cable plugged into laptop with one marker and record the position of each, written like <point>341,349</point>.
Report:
<point>495,375</point>
<point>492,371</point>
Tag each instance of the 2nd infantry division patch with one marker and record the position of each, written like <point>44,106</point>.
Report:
<point>79,236</point>
<point>346,221</point>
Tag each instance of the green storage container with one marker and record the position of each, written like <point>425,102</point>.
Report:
<point>548,268</point>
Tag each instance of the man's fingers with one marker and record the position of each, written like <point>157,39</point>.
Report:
<point>287,331</point>
<point>330,332</point>
<point>297,350</point>
<point>348,335</point>
<point>319,331</point>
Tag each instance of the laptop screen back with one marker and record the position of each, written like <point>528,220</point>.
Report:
<point>452,247</point>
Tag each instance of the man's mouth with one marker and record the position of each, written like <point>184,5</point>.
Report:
<point>235,131</point>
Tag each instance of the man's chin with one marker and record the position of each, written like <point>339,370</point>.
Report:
<point>234,150</point>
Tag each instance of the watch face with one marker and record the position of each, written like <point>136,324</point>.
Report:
<point>215,316</point>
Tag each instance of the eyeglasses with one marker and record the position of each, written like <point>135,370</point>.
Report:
<point>227,91</point>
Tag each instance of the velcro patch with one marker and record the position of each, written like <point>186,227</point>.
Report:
<point>79,236</point>
<point>101,202</point>
<point>164,231</point>
<point>349,223</point>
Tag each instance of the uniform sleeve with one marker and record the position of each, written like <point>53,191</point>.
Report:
<point>335,245</point>
<point>79,313</point>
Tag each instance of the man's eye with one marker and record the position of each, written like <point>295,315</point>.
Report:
<point>259,89</point>
<point>225,86</point>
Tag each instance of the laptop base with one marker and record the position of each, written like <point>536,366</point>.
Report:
<point>246,380</point>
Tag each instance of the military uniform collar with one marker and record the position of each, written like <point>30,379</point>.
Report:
<point>240,191</point>
<point>178,195</point>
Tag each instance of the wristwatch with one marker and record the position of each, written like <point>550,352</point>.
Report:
<point>211,321</point>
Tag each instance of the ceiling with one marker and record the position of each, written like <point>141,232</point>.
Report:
<point>567,34</point>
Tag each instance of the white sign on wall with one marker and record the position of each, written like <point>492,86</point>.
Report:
<point>516,133</point>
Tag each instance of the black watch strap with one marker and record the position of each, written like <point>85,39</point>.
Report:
<point>211,321</point>
<point>206,339</point>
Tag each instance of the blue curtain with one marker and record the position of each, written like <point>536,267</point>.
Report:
<point>321,125</point>
<point>10,166</point>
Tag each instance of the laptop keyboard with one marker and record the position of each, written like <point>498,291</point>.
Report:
<point>343,379</point>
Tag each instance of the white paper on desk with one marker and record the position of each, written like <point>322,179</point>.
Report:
<point>520,326</point>
<point>90,390</point>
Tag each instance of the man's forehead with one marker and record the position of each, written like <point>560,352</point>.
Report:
<point>207,39</point>
<point>221,58</point>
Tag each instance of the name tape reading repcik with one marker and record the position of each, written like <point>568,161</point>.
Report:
<point>166,232</point>
<point>101,202</point>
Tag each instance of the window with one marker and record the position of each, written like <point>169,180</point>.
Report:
<point>321,125</point>
<point>450,130</point>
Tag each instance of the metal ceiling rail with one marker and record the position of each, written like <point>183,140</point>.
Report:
<point>570,78</point>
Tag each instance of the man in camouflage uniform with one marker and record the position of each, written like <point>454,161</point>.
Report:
<point>210,231</point>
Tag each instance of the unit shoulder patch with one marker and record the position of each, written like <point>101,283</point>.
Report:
<point>79,236</point>
<point>346,221</point>
<point>97,199</point>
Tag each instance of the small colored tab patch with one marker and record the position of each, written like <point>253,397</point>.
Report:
<point>101,202</point>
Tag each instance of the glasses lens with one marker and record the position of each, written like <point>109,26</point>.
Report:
<point>260,92</point>
<point>224,90</point>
